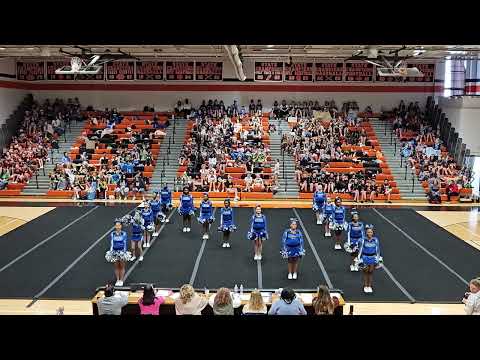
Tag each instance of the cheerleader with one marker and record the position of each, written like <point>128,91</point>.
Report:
<point>258,232</point>
<point>327,215</point>
<point>227,225</point>
<point>148,223</point>
<point>138,227</point>
<point>186,209</point>
<point>338,222</point>
<point>118,253</point>
<point>369,257</point>
<point>165,202</point>
<point>319,198</point>
<point>355,233</point>
<point>157,214</point>
<point>206,215</point>
<point>292,248</point>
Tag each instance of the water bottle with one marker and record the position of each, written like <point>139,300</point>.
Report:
<point>241,289</point>
<point>235,289</point>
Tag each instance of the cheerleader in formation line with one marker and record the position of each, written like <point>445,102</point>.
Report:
<point>258,232</point>
<point>355,233</point>
<point>292,248</point>
<point>227,225</point>
<point>319,199</point>
<point>338,223</point>
<point>138,227</point>
<point>369,257</point>
<point>206,215</point>
<point>165,203</point>
<point>157,213</point>
<point>118,254</point>
<point>327,215</point>
<point>186,209</point>
<point>148,223</point>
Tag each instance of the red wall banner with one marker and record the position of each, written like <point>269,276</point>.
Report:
<point>54,65</point>
<point>149,70</point>
<point>299,72</point>
<point>100,76</point>
<point>179,70</point>
<point>329,71</point>
<point>120,70</point>
<point>268,71</point>
<point>359,71</point>
<point>31,71</point>
<point>428,71</point>
<point>209,71</point>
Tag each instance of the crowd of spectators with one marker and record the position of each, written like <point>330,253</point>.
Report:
<point>422,148</point>
<point>38,132</point>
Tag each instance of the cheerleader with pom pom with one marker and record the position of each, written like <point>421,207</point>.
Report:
<point>157,214</point>
<point>138,227</point>
<point>165,202</point>
<point>186,209</point>
<point>227,225</point>
<point>206,215</point>
<point>258,232</point>
<point>355,233</point>
<point>292,248</point>
<point>338,223</point>
<point>148,224</point>
<point>369,257</point>
<point>118,253</point>
<point>319,199</point>
<point>327,215</point>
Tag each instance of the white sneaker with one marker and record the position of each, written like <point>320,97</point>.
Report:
<point>370,290</point>
<point>294,276</point>
<point>205,237</point>
<point>365,290</point>
<point>188,229</point>
<point>167,220</point>
<point>144,245</point>
<point>255,257</point>
<point>338,247</point>
<point>224,245</point>
<point>184,229</point>
<point>328,234</point>
<point>259,257</point>
<point>319,222</point>
<point>155,234</point>
<point>228,245</point>
<point>119,283</point>
<point>148,245</point>
<point>140,258</point>
<point>132,258</point>
<point>289,276</point>
<point>355,268</point>
<point>352,267</point>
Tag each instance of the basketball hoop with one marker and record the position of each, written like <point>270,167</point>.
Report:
<point>76,63</point>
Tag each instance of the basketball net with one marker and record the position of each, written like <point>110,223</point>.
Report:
<point>75,63</point>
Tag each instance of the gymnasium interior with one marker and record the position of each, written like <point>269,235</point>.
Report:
<point>90,133</point>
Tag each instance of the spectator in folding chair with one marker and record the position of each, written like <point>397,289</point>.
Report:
<point>386,190</point>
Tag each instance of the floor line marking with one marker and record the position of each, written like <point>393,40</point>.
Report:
<point>467,229</point>
<point>145,250</point>
<point>422,247</point>
<point>400,286</point>
<point>314,250</point>
<point>199,257</point>
<point>46,240</point>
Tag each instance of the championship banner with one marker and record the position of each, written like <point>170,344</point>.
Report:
<point>149,70</point>
<point>360,71</point>
<point>428,71</point>
<point>54,65</point>
<point>211,71</point>
<point>299,72</point>
<point>120,70</point>
<point>329,71</point>
<point>178,70</point>
<point>99,76</point>
<point>31,71</point>
<point>268,71</point>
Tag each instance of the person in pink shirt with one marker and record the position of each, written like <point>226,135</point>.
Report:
<point>150,303</point>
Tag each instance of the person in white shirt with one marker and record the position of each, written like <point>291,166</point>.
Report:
<point>472,299</point>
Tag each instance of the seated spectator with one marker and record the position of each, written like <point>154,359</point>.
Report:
<point>252,108</point>
<point>322,303</point>
<point>452,190</point>
<point>223,302</point>
<point>112,302</point>
<point>255,305</point>
<point>189,302</point>
<point>472,299</point>
<point>288,304</point>
<point>150,303</point>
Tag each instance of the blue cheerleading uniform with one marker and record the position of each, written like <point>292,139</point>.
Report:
<point>319,199</point>
<point>338,218</point>
<point>206,212</point>
<point>147,218</point>
<point>292,244</point>
<point>137,231</point>
<point>226,220</point>
<point>118,247</point>
<point>355,233</point>
<point>155,207</point>
<point>369,251</point>
<point>258,228</point>
<point>328,211</point>
<point>165,199</point>
<point>186,205</point>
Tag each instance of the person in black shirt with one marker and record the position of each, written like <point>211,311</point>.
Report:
<point>251,108</point>
<point>259,107</point>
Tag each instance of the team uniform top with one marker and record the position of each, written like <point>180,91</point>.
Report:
<point>155,207</point>
<point>166,197</point>
<point>226,219</point>
<point>118,241</point>
<point>355,233</point>
<point>319,199</point>
<point>206,211</point>
<point>292,244</point>
<point>339,215</point>
<point>186,205</point>
<point>137,230</point>
<point>258,227</point>
<point>370,251</point>
<point>147,216</point>
<point>328,210</point>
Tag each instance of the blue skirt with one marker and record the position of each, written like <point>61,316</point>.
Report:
<point>317,208</point>
<point>186,211</point>
<point>292,251</point>
<point>227,227</point>
<point>137,237</point>
<point>369,260</point>
<point>254,235</point>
